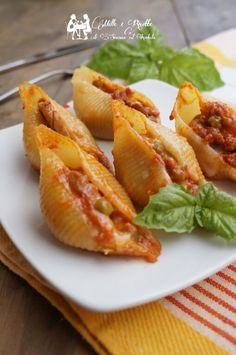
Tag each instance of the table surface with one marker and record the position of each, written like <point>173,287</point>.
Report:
<point>28,323</point>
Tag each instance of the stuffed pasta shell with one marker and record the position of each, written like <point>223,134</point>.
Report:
<point>92,95</point>
<point>84,205</point>
<point>39,108</point>
<point>148,156</point>
<point>210,127</point>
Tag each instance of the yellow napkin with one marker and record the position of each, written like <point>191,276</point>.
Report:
<point>221,48</point>
<point>150,329</point>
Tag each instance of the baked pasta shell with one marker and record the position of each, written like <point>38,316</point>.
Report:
<point>138,166</point>
<point>93,106</point>
<point>67,218</point>
<point>39,108</point>
<point>74,158</point>
<point>188,104</point>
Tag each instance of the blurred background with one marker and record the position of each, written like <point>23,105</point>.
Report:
<point>28,324</point>
<point>28,27</point>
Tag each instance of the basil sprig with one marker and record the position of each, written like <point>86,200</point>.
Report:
<point>176,210</point>
<point>151,58</point>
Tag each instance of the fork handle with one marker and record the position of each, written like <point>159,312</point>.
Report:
<point>8,94</point>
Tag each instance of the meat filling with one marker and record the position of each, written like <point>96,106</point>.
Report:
<point>216,125</point>
<point>126,95</point>
<point>54,121</point>
<point>52,117</point>
<point>98,208</point>
<point>177,173</point>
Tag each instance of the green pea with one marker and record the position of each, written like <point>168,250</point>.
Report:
<point>103,206</point>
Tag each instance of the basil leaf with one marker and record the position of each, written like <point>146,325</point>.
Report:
<point>114,59</point>
<point>151,42</point>
<point>162,54</point>
<point>216,211</point>
<point>149,39</point>
<point>191,65</point>
<point>143,68</point>
<point>121,60</point>
<point>172,209</point>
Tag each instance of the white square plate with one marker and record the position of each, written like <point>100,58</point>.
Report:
<point>92,280</point>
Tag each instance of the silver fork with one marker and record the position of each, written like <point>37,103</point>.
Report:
<point>64,72</point>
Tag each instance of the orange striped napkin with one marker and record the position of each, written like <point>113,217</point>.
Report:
<point>209,307</point>
<point>198,320</point>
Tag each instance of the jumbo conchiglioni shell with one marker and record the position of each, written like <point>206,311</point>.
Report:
<point>74,157</point>
<point>93,106</point>
<point>64,122</point>
<point>188,104</point>
<point>67,218</point>
<point>138,167</point>
<point>39,108</point>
